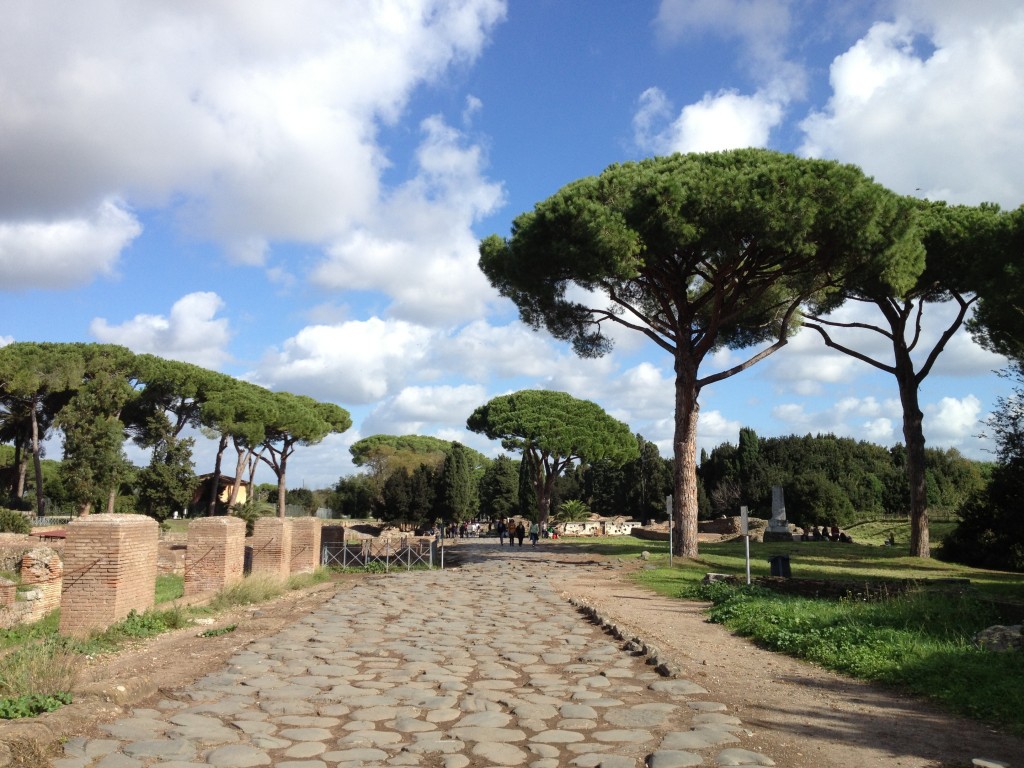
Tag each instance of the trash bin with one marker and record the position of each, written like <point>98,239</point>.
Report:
<point>779,565</point>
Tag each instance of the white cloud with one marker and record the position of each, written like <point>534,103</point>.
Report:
<point>350,363</point>
<point>253,121</point>
<point>480,351</point>
<point>726,120</point>
<point>881,431</point>
<point>898,105</point>
<point>952,421</point>
<point>419,247</point>
<point>427,410</point>
<point>192,333</point>
<point>64,253</point>
<point>714,428</point>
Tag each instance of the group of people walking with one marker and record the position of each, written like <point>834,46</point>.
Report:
<point>516,532</point>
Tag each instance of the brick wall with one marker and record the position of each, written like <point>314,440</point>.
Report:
<point>109,570</point>
<point>272,546</point>
<point>43,571</point>
<point>305,554</point>
<point>8,594</point>
<point>215,555</point>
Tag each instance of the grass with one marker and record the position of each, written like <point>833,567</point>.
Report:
<point>918,642</point>
<point>37,673</point>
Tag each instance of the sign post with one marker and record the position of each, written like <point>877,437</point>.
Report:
<point>745,530</point>
<point>671,524</point>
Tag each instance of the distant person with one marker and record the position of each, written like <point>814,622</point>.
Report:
<point>891,541</point>
<point>834,535</point>
<point>520,533</point>
<point>534,533</point>
<point>501,533</point>
<point>511,532</point>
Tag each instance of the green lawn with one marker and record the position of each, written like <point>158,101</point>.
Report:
<point>918,643</point>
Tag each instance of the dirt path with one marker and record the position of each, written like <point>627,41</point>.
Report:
<point>803,716</point>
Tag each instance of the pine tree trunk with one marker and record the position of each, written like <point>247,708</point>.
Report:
<point>684,497</point>
<point>913,437</point>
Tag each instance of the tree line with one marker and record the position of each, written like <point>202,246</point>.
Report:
<point>99,396</point>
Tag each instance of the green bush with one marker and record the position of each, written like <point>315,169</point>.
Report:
<point>13,522</point>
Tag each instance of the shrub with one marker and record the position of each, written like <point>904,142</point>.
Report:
<point>13,522</point>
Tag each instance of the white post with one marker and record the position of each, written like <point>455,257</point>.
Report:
<point>745,530</point>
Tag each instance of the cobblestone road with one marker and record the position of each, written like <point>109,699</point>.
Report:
<point>482,665</point>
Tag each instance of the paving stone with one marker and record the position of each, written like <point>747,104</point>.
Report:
<point>486,664</point>
<point>736,756</point>
<point>673,758</point>
<point>501,754</point>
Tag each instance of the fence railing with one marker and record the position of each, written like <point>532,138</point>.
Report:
<point>403,553</point>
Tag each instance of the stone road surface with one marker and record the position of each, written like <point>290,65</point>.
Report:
<point>481,665</point>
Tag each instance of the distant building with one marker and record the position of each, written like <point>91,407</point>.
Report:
<point>201,497</point>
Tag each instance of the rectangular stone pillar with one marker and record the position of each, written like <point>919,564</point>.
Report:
<point>109,571</point>
<point>215,557</point>
<point>305,544</point>
<point>272,546</point>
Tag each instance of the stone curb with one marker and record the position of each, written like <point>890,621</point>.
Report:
<point>635,645</point>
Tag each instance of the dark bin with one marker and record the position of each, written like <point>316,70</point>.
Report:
<point>779,565</point>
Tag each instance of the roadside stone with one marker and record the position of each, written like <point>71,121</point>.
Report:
<point>672,758</point>
<point>742,757</point>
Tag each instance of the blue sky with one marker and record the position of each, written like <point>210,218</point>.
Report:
<point>293,192</point>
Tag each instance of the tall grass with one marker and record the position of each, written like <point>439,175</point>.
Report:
<point>45,668</point>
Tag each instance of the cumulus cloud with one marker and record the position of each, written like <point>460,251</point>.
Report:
<point>249,120</point>
<point>714,428</point>
<point>418,247</point>
<point>64,252</point>
<point>941,81</point>
<point>480,350</point>
<point>953,421</point>
<point>350,363</point>
<point>725,120</point>
<point>420,410</point>
<point>192,332</point>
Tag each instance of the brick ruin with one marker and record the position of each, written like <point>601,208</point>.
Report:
<point>107,565</point>
<point>109,571</point>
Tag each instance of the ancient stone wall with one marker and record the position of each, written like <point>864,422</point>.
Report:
<point>215,555</point>
<point>109,570</point>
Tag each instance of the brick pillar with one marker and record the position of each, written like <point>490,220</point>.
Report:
<point>305,544</point>
<point>109,571</point>
<point>272,546</point>
<point>216,554</point>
